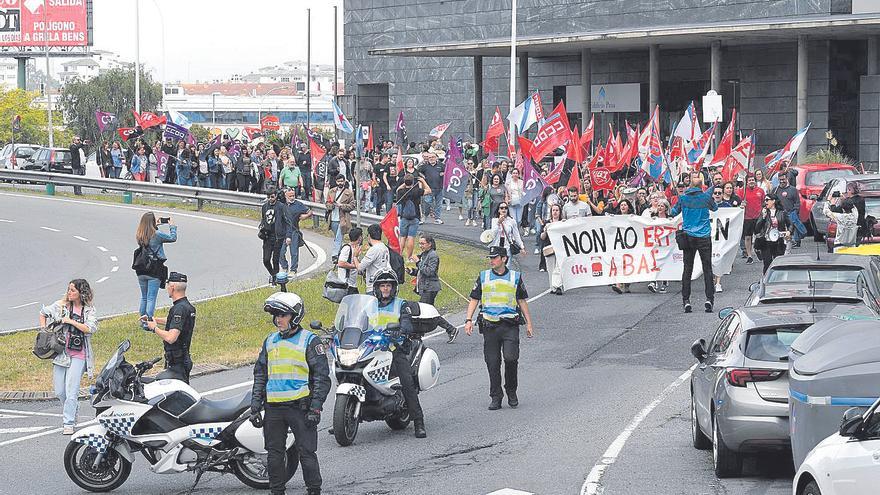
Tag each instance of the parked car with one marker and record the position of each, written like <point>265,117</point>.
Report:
<point>872,207</point>
<point>818,291</point>
<point>739,391</point>
<point>847,462</point>
<point>50,160</point>
<point>812,178</point>
<point>22,152</point>
<point>801,269</point>
<point>818,221</point>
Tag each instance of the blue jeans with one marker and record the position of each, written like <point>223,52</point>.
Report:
<point>115,172</point>
<point>438,202</point>
<point>516,213</point>
<point>184,181</point>
<point>67,382</point>
<point>337,236</point>
<point>799,230</point>
<point>294,251</point>
<point>149,291</point>
<point>408,228</point>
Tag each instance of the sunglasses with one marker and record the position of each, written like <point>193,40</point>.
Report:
<point>716,193</point>
<point>502,207</point>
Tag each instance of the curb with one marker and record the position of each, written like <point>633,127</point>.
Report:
<point>25,396</point>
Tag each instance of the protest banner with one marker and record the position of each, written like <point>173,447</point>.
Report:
<point>604,250</point>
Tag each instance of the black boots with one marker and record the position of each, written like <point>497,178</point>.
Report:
<point>512,399</point>
<point>495,404</point>
<point>419,427</point>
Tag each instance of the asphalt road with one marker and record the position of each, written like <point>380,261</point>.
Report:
<point>45,242</point>
<point>597,360</point>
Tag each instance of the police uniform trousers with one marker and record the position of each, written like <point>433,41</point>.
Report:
<point>278,418</point>
<point>178,365</point>
<point>401,365</point>
<point>501,340</point>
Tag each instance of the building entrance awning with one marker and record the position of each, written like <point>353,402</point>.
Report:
<point>686,35</point>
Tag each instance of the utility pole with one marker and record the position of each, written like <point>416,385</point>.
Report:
<point>308,68</point>
<point>137,56</point>
<point>48,75</point>
<point>335,70</point>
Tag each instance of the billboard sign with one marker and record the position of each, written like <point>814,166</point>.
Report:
<point>25,23</point>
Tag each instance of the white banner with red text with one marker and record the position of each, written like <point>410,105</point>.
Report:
<point>604,250</point>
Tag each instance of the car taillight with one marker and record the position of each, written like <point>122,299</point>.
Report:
<point>52,157</point>
<point>739,377</point>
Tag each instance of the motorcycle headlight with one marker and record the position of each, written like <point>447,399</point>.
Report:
<point>348,357</point>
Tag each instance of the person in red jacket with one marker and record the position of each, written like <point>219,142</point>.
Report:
<point>752,201</point>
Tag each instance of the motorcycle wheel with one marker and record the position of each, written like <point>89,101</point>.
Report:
<point>398,422</point>
<point>345,424</point>
<point>110,474</point>
<point>253,470</point>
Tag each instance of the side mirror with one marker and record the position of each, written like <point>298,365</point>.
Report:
<point>754,286</point>
<point>724,312</point>
<point>316,325</point>
<point>698,349</point>
<point>851,421</point>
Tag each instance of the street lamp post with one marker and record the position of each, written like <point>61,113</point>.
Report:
<point>137,56</point>
<point>267,93</point>
<point>48,75</point>
<point>214,107</point>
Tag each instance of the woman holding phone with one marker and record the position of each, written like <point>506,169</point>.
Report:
<point>152,234</point>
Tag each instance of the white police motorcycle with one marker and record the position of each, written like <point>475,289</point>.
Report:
<point>366,389</point>
<point>171,425</point>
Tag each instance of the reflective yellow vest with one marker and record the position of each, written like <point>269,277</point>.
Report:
<point>288,370</point>
<point>381,317</point>
<point>499,295</point>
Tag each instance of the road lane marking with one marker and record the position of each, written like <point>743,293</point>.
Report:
<point>102,248</point>
<point>31,413</point>
<point>12,416</point>
<point>81,238</point>
<point>50,229</point>
<point>114,259</point>
<point>592,485</point>
<point>25,305</point>
<point>101,280</point>
<point>114,269</point>
<point>3,220</point>
<point>509,491</point>
<point>24,429</point>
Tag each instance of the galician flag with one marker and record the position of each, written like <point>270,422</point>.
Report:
<point>179,119</point>
<point>525,115</point>
<point>773,161</point>
<point>339,119</point>
<point>688,127</point>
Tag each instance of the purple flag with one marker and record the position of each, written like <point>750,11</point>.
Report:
<point>234,151</point>
<point>294,138</point>
<point>454,180</point>
<point>190,139</point>
<point>533,183</point>
<point>162,162</point>
<point>454,153</point>
<point>401,129</point>
<point>105,119</point>
<point>175,132</point>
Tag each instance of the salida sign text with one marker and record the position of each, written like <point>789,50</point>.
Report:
<point>31,23</point>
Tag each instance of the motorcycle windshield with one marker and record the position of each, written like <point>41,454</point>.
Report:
<point>112,363</point>
<point>354,312</point>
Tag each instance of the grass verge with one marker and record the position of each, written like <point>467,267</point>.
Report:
<point>229,330</point>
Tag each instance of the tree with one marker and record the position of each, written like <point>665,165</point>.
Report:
<point>34,120</point>
<point>112,91</point>
<point>202,134</point>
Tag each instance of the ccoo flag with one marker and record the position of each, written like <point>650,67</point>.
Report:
<point>339,119</point>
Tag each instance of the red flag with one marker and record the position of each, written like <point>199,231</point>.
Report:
<point>574,180</point>
<point>148,119</point>
<point>601,179</point>
<point>127,133</point>
<point>738,159</point>
<point>553,134</point>
<point>496,127</point>
<point>630,149</point>
<point>612,153</point>
<point>270,123</point>
<point>317,151</point>
<point>252,133</point>
<point>400,159</point>
<point>370,144</point>
<point>587,136</point>
<point>574,150</point>
<point>526,146</point>
<point>391,228</point>
<point>553,176</point>
<point>725,146</point>
<point>600,155</point>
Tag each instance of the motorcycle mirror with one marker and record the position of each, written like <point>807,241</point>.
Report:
<point>315,325</point>
<point>125,345</point>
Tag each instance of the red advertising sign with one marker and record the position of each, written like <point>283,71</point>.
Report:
<point>30,23</point>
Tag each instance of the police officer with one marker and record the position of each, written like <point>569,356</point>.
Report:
<point>292,380</point>
<point>502,295</point>
<point>393,316</point>
<point>178,331</point>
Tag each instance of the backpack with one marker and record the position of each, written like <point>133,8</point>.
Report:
<point>144,260</point>
<point>408,210</point>
<point>396,262</point>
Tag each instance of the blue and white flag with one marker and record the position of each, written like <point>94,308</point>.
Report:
<point>339,119</point>
<point>525,115</point>
<point>688,127</point>
<point>179,119</point>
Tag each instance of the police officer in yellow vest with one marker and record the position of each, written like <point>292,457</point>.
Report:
<point>502,295</point>
<point>291,380</point>
<point>393,316</point>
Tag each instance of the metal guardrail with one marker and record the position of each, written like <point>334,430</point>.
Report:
<point>199,194</point>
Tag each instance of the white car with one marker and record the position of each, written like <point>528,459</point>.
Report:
<point>847,462</point>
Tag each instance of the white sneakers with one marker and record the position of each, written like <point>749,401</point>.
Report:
<point>68,430</point>
<point>718,288</point>
<point>460,217</point>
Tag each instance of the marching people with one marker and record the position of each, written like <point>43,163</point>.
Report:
<point>427,273</point>
<point>432,172</point>
<point>266,233</point>
<point>151,235</point>
<point>392,315</point>
<point>789,199</point>
<point>772,230</point>
<point>695,237</point>
<point>291,383</point>
<point>548,257</point>
<point>661,211</point>
<point>377,257</point>
<point>574,207</point>
<point>287,231</point>
<point>504,304</point>
<point>505,232</point>
<point>514,198</point>
<point>347,264</point>
<point>178,329</point>
<point>409,200</point>
<point>340,203</point>
<point>77,313</point>
<point>753,202</point>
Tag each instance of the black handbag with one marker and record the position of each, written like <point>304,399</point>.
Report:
<point>50,341</point>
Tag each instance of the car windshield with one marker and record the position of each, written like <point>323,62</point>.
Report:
<point>354,312</point>
<point>821,177</point>
<point>771,344</point>
<point>872,207</point>
<point>787,274</point>
<point>24,152</point>
<point>62,156</point>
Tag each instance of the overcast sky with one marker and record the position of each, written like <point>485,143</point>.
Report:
<point>213,39</point>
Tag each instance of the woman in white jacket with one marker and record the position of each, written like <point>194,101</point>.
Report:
<point>505,232</point>
<point>80,321</point>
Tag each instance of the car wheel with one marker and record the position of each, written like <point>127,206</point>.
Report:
<point>727,463</point>
<point>817,236</point>
<point>698,438</point>
<point>810,488</point>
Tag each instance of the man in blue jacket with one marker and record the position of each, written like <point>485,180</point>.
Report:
<point>694,205</point>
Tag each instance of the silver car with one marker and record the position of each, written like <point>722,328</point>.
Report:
<point>818,220</point>
<point>739,390</point>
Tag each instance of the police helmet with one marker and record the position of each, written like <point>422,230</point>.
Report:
<point>282,303</point>
<point>383,277</point>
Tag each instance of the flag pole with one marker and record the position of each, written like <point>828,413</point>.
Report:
<point>512,64</point>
